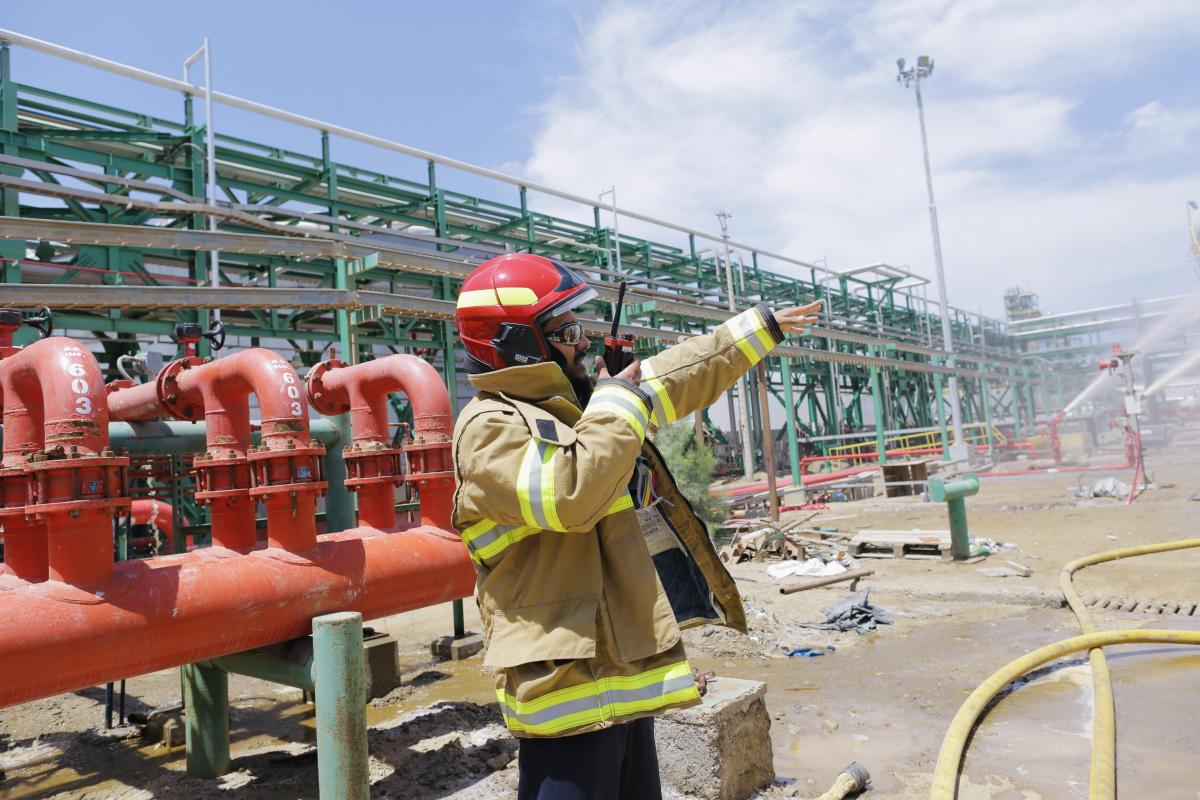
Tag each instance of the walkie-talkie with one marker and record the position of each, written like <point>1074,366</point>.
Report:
<point>617,351</point>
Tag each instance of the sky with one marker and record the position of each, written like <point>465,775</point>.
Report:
<point>1062,135</point>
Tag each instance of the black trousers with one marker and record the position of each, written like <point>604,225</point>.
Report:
<point>617,763</point>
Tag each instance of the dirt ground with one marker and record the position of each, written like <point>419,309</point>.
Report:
<point>883,699</point>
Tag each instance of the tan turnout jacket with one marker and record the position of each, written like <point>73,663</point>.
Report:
<point>582,596</point>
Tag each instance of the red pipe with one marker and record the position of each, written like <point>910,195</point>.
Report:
<point>231,476</point>
<point>806,480</point>
<point>908,451</point>
<point>157,613</point>
<point>130,402</point>
<point>154,512</point>
<point>374,467</point>
<point>59,482</point>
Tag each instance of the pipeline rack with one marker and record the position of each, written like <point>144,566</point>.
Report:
<point>104,209</point>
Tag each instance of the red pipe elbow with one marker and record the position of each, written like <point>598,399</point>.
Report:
<point>56,449</point>
<point>284,472</point>
<point>362,390</point>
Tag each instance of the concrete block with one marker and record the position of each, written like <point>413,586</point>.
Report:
<point>380,664</point>
<point>457,649</point>
<point>720,749</point>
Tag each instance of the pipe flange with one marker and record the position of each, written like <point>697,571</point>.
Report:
<point>319,487</point>
<point>318,398</point>
<point>169,395</point>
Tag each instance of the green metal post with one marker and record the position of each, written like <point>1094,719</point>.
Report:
<point>941,412</point>
<point>10,251</point>
<point>985,390</point>
<point>791,423</point>
<point>1018,424</point>
<point>341,707</point>
<point>339,501</point>
<point>449,371</point>
<point>953,494</point>
<point>206,699</point>
<point>880,422</point>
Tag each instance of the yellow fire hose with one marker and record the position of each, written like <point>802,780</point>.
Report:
<point>1103,775</point>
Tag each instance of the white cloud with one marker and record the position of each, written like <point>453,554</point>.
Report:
<point>788,116</point>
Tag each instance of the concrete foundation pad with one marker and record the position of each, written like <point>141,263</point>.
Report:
<point>720,749</point>
<point>457,649</point>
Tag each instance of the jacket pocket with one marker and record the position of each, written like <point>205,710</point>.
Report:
<point>562,630</point>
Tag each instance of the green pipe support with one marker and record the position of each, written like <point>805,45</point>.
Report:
<point>206,730</point>
<point>267,667</point>
<point>341,713</point>
<point>792,423</point>
<point>953,494</point>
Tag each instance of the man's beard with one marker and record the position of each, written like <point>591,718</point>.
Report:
<point>581,383</point>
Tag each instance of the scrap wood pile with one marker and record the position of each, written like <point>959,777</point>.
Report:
<point>795,540</point>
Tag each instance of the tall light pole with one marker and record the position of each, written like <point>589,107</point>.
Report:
<point>744,383</point>
<point>913,77</point>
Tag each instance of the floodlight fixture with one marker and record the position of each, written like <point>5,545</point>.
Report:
<point>900,62</point>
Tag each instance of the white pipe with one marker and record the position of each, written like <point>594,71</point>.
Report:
<point>378,141</point>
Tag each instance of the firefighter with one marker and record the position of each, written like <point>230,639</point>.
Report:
<point>589,559</point>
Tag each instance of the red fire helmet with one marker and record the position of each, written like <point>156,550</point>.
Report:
<point>504,303</point>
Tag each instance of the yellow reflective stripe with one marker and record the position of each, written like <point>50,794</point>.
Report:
<point>524,476</point>
<point>748,351</point>
<point>620,504</point>
<point>549,501</point>
<point>599,700</point>
<point>535,486</point>
<point>488,539</point>
<point>623,403</point>
<point>664,409</point>
<point>503,296</point>
<point>750,334</point>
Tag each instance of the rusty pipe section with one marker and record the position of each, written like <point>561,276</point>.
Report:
<point>161,612</point>
<point>232,476</point>
<point>376,468</point>
<point>59,483</point>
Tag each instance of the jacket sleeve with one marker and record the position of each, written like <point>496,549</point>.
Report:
<point>692,375</point>
<point>543,474</point>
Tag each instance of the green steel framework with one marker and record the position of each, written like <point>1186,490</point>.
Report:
<point>104,210</point>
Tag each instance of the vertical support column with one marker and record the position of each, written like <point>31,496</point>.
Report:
<point>11,251</point>
<point>198,268</point>
<point>338,665</point>
<point>880,421</point>
<point>206,698</point>
<point>938,385</point>
<point>1018,423</point>
<point>791,424</point>
<point>986,392</point>
<point>340,502</point>
<point>449,367</point>
<point>767,440</point>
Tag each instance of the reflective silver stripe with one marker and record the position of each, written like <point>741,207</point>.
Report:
<point>599,700</point>
<point>623,403</point>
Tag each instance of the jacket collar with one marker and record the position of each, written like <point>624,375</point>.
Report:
<point>533,383</point>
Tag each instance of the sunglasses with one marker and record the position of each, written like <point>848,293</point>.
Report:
<point>569,334</point>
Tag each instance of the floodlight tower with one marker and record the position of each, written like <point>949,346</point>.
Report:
<point>913,77</point>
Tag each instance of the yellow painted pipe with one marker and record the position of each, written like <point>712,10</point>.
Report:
<point>945,775</point>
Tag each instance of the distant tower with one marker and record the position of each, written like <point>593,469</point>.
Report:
<point>1020,304</point>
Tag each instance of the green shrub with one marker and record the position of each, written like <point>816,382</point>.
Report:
<point>692,465</point>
